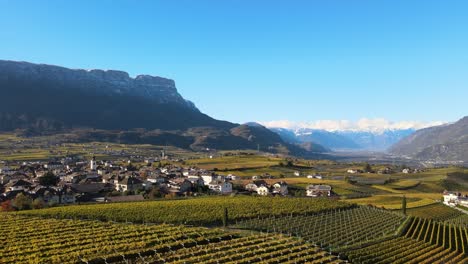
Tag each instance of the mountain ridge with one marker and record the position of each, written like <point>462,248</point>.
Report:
<point>444,142</point>
<point>110,105</point>
<point>345,139</point>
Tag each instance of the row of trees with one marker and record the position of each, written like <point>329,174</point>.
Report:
<point>22,202</point>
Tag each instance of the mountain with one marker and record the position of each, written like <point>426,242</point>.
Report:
<point>291,138</point>
<point>111,105</point>
<point>327,139</point>
<point>345,139</point>
<point>446,143</point>
<point>376,141</point>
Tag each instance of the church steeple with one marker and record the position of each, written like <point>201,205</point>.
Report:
<point>92,164</point>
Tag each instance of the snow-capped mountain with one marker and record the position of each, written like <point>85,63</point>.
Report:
<point>364,134</point>
<point>345,139</point>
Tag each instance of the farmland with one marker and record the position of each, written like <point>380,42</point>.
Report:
<point>200,211</point>
<point>424,241</point>
<point>332,229</point>
<point>362,222</point>
<point>75,241</point>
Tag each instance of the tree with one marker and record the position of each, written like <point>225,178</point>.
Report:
<point>131,167</point>
<point>403,205</point>
<point>155,193</point>
<point>22,202</point>
<point>367,168</point>
<point>225,217</point>
<point>49,179</point>
<point>7,206</point>
<point>38,203</point>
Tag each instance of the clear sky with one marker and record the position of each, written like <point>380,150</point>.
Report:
<point>264,60</point>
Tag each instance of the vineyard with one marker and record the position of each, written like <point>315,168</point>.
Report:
<point>335,229</point>
<point>424,241</point>
<point>440,212</point>
<point>36,240</point>
<point>201,211</point>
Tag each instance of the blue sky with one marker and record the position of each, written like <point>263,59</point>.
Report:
<point>264,60</point>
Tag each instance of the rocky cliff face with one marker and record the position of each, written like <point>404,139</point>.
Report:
<point>103,82</point>
<point>108,105</point>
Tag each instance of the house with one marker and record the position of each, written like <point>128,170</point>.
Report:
<point>207,178</point>
<point>196,181</point>
<point>109,178</point>
<point>4,178</point>
<point>71,178</point>
<point>51,196</point>
<point>4,170</point>
<point>350,171</point>
<point>223,187</point>
<point>406,170</point>
<point>129,183</point>
<point>18,185</point>
<point>252,187</point>
<point>263,190</point>
<point>67,196</point>
<point>180,185</point>
<point>156,179</point>
<point>463,200</point>
<point>318,190</point>
<point>451,198</point>
<point>297,173</point>
<point>454,198</point>
<point>232,177</point>
<point>280,188</point>
<point>316,176</point>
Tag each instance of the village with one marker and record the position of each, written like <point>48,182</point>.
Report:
<point>71,180</point>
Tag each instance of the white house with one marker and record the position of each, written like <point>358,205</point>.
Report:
<point>280,188</point>
<point>297,173</point>
<point>253,186</point>
<point>352,171</point>
<point>455,198</point>
<point>232,177</point>
<point>263,190</point>
<point>406,171</point>
<point>129,184</point>
<point>463,201</point>
<point>53,165</point>
<point>207,178</point>
<point>223,187</point>
<point>318,190</point>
